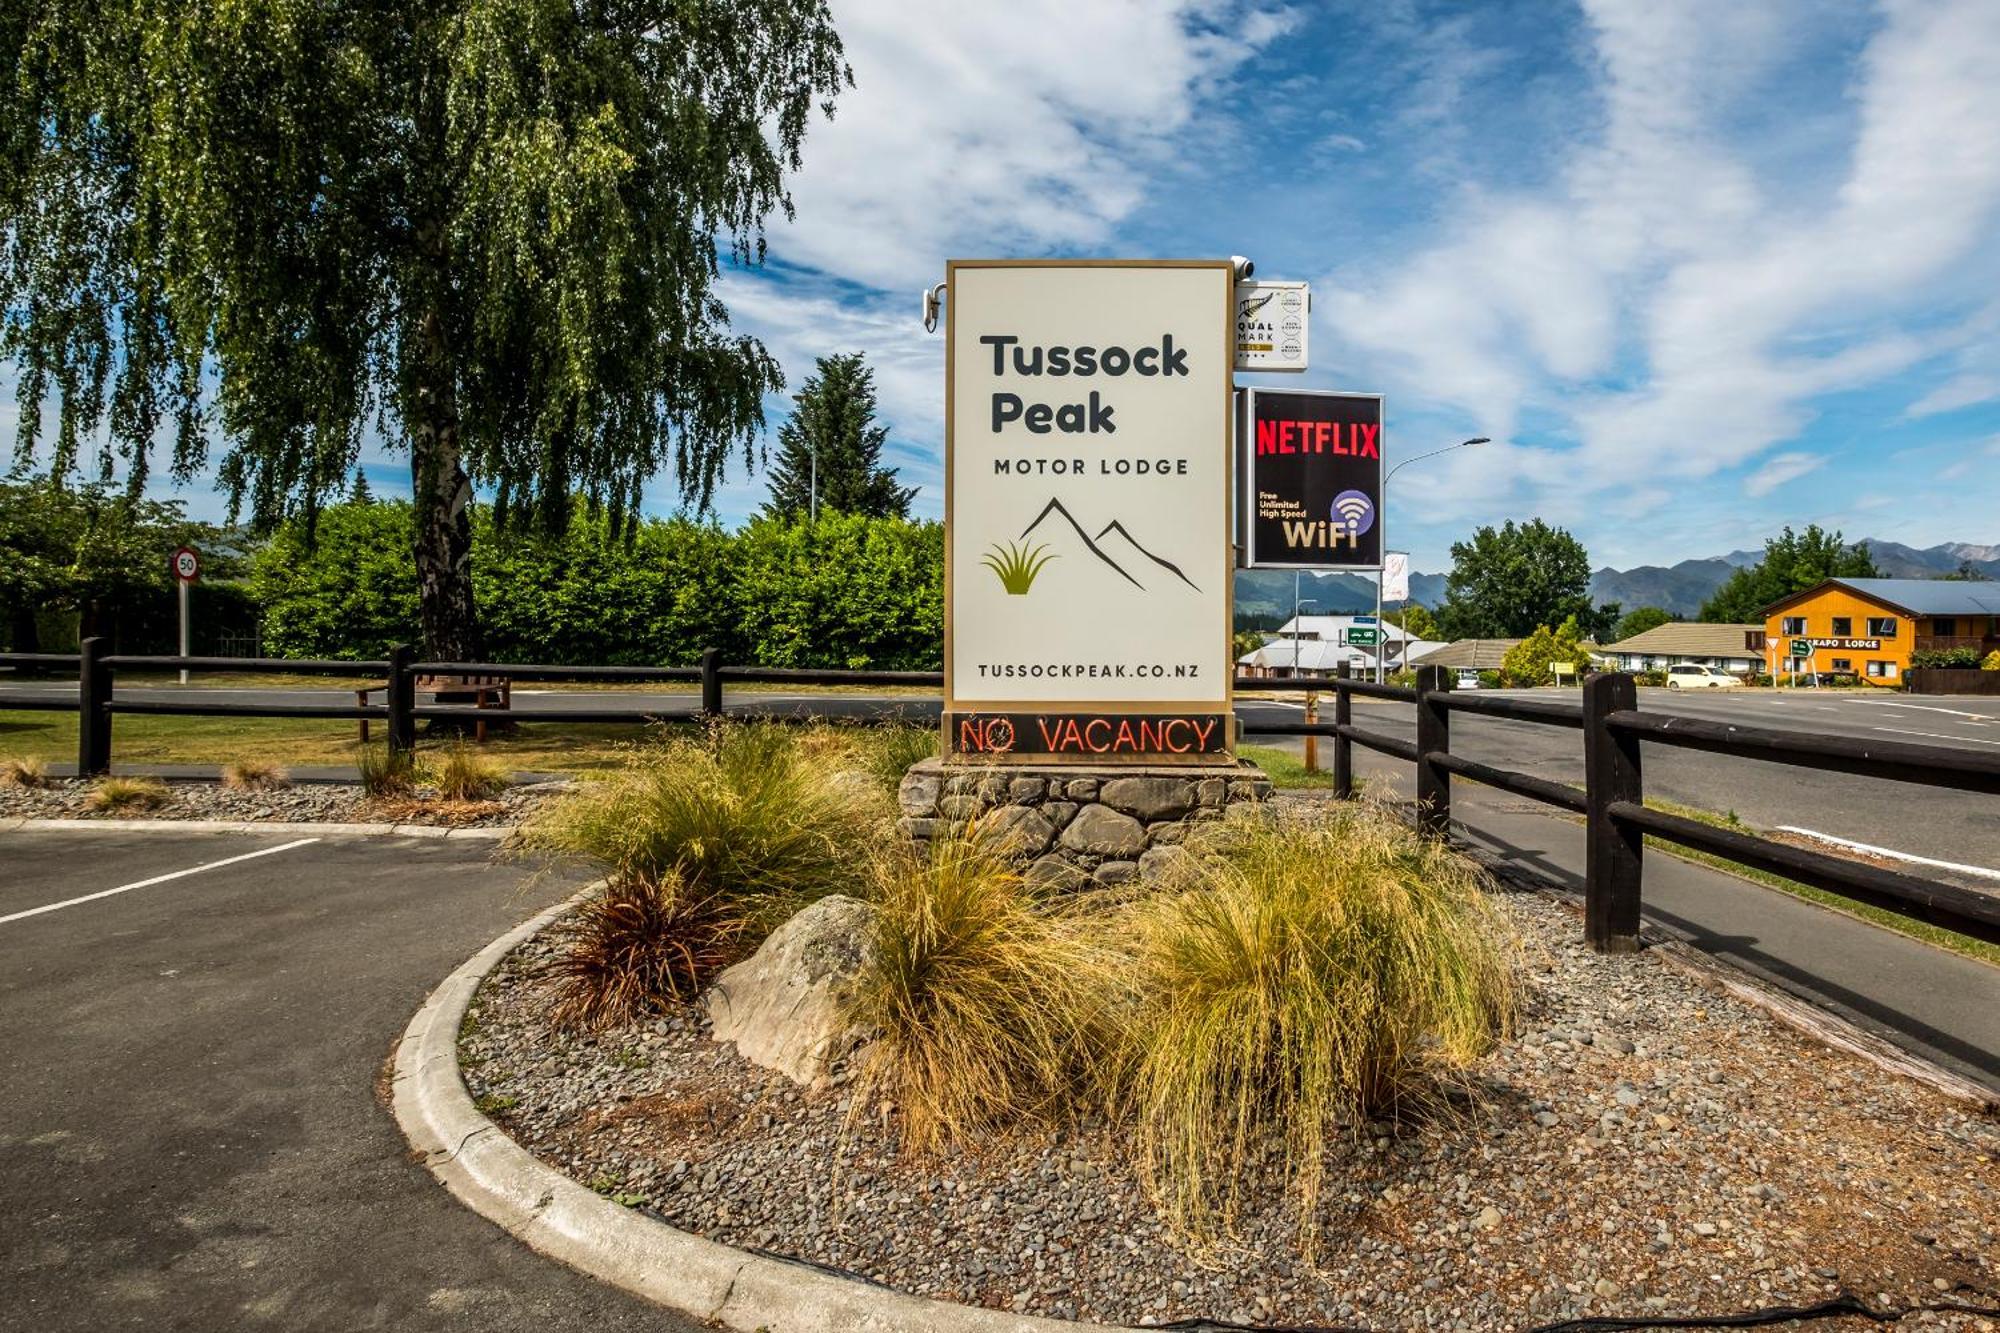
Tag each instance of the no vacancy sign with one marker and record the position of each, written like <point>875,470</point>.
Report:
<point>1088,559</point>
<point>1312,479</point>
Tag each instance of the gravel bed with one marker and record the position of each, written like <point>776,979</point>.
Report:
<point>1644,1147</point>
<point>304,802</point>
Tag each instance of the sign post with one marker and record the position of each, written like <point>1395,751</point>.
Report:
<point>1087,518</point>
<point>186,568</point>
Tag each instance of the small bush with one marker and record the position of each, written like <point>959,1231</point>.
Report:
<point>112,794</point>
<point>1960,659</point>
<point>992,1012</point>
<point>636,947</point>
<point>1992,662</point>
<point>254,775</point>
<point>1315,970</point>
<point>744,813</point>
<point>29,772</point>
<point>891,753</point>
<point>387,772</point>
<point>465,775</point>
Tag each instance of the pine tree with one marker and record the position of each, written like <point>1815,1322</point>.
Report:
<point>834,419</point>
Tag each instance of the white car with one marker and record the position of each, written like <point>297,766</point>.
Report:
<point>1694,676</point>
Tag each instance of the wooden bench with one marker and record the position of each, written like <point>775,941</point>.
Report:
<point>483,691</point>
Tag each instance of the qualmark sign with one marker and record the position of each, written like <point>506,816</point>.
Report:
<point>1087,514</point>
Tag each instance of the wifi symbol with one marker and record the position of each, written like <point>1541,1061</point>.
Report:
<point>1354,511</point>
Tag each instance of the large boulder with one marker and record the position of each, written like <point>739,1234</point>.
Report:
<point>784,1007</point>
<point>1098,830</point>
<point>1149,798</point>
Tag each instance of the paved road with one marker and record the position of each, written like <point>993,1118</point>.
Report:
<point>1938,823</point>
<point>190,1136</point>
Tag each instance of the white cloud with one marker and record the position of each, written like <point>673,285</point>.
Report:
<point>1663,300</point>
<point>1959,391</point>
<point>1779,470</point>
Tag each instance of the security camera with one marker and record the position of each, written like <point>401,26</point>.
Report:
<point>1244,268</point>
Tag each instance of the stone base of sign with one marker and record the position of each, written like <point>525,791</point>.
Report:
<point>1076,826</point>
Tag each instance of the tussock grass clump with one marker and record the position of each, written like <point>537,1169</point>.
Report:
<point>894,749</point>
<point>29,772</point>
<point>742,814</point>
<point>386,772</point>
<point>112,794</point>
<point>993,1011</point>
<point>254,775</point>
<point>636,946</point>
<point>1312,971</point>
<point>464,775</point>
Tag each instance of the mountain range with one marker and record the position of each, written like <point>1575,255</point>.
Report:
<point>1680,588</point>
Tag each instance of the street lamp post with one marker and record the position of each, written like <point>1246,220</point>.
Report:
<point>1381,635</point>
<point>1296,604</point>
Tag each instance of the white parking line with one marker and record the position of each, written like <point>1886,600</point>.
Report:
<point>1851,845</point>
<point>1932,708</point>
<point>157,879</point>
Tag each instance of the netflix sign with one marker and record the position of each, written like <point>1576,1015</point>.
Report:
<point>1311,479</point>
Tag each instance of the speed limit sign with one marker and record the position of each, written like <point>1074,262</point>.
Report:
<point>186,564</point>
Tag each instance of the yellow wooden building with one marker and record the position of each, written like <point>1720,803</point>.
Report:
<point>1871,627</point>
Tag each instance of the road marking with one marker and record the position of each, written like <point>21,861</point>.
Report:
<point>157,879</point>
<point>1932,708</point>
<point>1938,736</point>
<point>1851,845</point>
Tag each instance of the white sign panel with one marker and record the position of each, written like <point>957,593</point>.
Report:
<point>1395,576</point>
<point>1087,506</point>
<point>1272,325</point>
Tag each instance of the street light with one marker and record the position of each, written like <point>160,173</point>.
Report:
<point>1381,636</point>
<point>1296,604</point>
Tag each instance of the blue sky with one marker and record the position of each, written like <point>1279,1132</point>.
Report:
<point>1700,269</point>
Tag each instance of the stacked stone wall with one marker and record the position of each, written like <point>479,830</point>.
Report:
<point>1075,827</point>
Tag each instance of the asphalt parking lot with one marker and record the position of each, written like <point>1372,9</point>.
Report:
<point>190,1130</point>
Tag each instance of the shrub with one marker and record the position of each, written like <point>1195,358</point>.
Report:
<point>113,794</point>
<point>465,775</point>
<point>1992,662</point>
<point>29,772</point>
<point>1959,659</point>
<point>635,947</point>
<point>992,1013</point>
<point>1657,678</point>
<point>386,772</point>
<point>253,775</point>
<point>1314,971</point>
<point>742,813</point>
<point>1491,680</point>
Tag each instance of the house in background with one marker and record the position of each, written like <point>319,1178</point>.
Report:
<point>1870,627</point>
<point>1321,646</point>
<point>1734,648</point>
<point>1467,654</point>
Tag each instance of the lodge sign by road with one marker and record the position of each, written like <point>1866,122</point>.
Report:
<point>1087,519</point>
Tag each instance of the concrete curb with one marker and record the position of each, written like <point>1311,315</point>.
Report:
<point>550,1213</point>
<point>325,830</point>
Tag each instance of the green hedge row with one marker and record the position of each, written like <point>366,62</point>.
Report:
<point>842,592</point>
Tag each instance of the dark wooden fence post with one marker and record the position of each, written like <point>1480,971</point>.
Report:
<point>711,683</point>
<point>93,710</point>
<point>1343,749</point>
<point>1615,852</point>
<point>1433,737</point>
<point>402,701</point>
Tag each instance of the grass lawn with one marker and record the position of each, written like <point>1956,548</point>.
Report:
<point>1289,770</point>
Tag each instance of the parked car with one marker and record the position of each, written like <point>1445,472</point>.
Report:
<point>1468,679</point>
<point>1694,676</point>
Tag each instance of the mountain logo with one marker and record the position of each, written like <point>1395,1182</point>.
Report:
<point>1115,528</point>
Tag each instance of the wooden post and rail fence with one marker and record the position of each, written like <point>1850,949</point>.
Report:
<point>1615,732</point>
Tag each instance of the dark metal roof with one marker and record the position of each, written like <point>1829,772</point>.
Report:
<point>1917,597</point>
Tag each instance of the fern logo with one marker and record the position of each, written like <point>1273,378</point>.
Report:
<point>1016,565</point>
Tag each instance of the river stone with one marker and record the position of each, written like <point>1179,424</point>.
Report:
<point>1148,798</point>
<point>1099,830</point>
<point>1116,872</point>
<point>1017,830</point>
<point>1053,872</point>
<point>1164,859</point>
<point>783,1007</point>
<point>1023,790</point>
<point>918,794</point>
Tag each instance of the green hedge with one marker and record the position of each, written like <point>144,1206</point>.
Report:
<point>842,592</point>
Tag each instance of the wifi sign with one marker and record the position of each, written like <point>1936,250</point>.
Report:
<point>1353,511</point>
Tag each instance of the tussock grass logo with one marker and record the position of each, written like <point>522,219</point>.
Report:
<point>1016,565</point>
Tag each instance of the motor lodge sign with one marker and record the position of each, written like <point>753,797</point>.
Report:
<point>1088,565</point>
